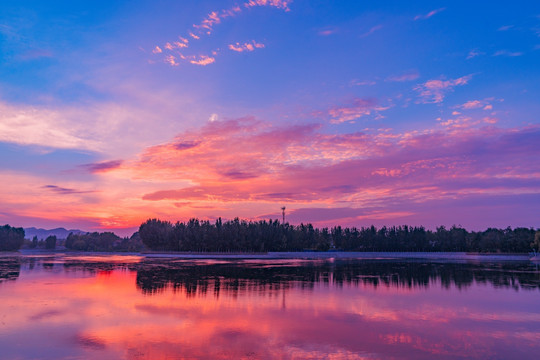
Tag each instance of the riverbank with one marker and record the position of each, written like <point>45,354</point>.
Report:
<point>308,255</point>
<point>346,255</point>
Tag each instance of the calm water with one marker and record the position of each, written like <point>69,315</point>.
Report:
<point>131,307</point>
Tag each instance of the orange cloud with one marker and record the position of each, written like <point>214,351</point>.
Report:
<point>249,161</point>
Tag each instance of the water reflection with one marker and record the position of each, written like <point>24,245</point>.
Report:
<point>153,276</point>
<point>10,268</point>
<point>138,308</point>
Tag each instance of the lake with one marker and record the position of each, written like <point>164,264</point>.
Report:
<point>64,306</point>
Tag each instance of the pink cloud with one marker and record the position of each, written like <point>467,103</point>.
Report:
<point>215,17</point>
<point>357,108</point>
<point>490,120</point>
<point>472,104</point>
<point>429,14</point>
<point>203,60</point>
<point>407,76</point>
<point>328,31</point>
<point>433,91</point>
<point>250,46</point>
<point>171,60</point>
<point>210,20</point>
<point>247,167</point>
<point>280,4</point>
<point>476,104</point>
<point>206,27</point>
<point>249,161</point>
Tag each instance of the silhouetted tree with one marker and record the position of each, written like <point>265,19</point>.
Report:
<point>11,238</point>
<point>240,235</point>
<point>50,242</point>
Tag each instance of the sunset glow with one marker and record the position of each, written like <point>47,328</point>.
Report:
<point>114,313</point>
<point>347,113</point>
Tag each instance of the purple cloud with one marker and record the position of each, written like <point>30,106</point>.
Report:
<point>102,166</point>
<point>65,191</point>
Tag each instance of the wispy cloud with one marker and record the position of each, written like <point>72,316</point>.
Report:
<point>429,14</point>
<point>246,161</point>
<point>406,76</point>
<point>507,53</point>
<point>249,46</point>
<point>174,52</point>
<point>476,104</point>
<point>280,4</point>
<point>363,82</point>
<point>356,109</point>
<point>101,167</point>
<point>65,191</point>
<point>505,27</point>
<point>32,125</point>
<point>474,53</point>
<point>328,31</point>
<point>371,31</point>
<point>434,91</point>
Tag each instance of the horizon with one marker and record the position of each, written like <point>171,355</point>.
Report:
<point>129,232</point>
<point>347,114</point>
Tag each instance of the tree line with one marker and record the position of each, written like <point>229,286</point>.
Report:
<point>106,241</point>
<point>262,236</point>
<point>11,238</point>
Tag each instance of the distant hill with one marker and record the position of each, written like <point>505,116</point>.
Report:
<point>60,233</point>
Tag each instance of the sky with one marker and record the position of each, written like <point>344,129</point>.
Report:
<point>347,113</point>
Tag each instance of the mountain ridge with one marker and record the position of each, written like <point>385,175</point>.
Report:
<point>60,233</point>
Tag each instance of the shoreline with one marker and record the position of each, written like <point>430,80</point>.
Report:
<point>345,255</point>
<point>301,255</point>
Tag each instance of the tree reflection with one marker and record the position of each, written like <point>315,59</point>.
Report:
<point>10,268</point>
<point>236,277</point>
<point>154,276</point>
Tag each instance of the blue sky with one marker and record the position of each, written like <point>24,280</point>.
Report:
<point>95,97</point>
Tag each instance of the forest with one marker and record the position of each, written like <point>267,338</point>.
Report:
<point>106,241</point>
<point>262,236</point>
<point>11,238</point>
